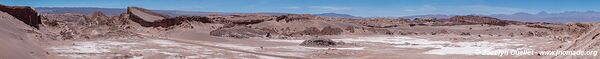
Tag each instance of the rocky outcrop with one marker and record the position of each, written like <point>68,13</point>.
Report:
<point>144,17</point>
<point>302,24</point>
<point>98,18</point>
<point>294,17</point>
<point>24,13</point>
<point>147,18</point>
<point>176,21</point>
<point>325,31</point>
<point>241,19</point>
<point>243,26</point>
<point>66,26</point>
<point>378,22</point>
<point>574,29</point>
<point>588,41</point>
<point>320,42</point>
<point>471,19</point>
<point>144,14</point>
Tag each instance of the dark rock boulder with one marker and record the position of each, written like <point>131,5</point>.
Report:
<point>320,42</point>
<point>24,13</point>
<point>295,17</point>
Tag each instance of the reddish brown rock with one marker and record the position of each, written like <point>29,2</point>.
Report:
<point>471,19</point>
<point>144,14</point>
<point>294,17</point>
<point>24,13</point>
<point>241,19</point>
<point>325,31</point>
<point>14,42</point>
<point>147,18</point>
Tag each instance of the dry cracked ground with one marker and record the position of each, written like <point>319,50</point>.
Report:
<point>142,34</point>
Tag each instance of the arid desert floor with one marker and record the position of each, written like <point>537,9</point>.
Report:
<point>139,33</point>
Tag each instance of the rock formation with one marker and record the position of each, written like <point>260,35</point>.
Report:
<point>325,31</point>
<point>24,13</point>
<point>320,42</point>
<point>18,34</point>
<point>146,18</point>
<point>241,19</point>
<point>99,18</point>
<point>294,17</point>
<point>144,14</point>
<point>471,19</point>
<point>17,42</point>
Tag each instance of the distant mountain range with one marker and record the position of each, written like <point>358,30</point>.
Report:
<point>570,16</point>
<point>117,11</point>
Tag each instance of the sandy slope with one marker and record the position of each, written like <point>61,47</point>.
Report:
<point>586,42</point>
<point>17,40</point>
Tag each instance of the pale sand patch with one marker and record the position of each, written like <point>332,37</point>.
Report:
<point>89,49</point>
<point>137,57</point>
<point>445,47</point>
<point>82,47</point>
<point>101,48</point>
<point>289,41</point>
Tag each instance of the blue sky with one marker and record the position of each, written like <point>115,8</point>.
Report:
<point>365,8</point>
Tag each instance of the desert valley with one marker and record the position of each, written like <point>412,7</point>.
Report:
<point>139,33</point>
